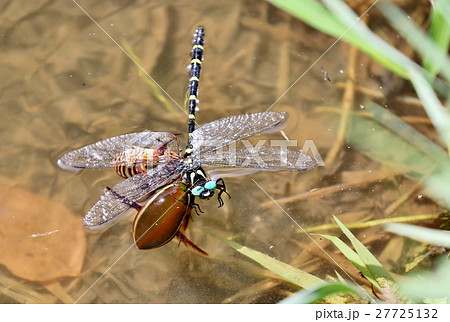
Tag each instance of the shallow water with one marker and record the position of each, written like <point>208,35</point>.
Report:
<point>65,84</point>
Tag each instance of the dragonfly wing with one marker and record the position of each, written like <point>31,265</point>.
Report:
<point>111,207</point>
<point>220,133</point>
<point>261,158</point>
<point>230,172</point>
<point>102,153</point>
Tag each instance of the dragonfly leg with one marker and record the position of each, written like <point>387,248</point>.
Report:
<point>197,208</point>
<point>220,185</point>
<point>183,239</point>
<point>194,205</point>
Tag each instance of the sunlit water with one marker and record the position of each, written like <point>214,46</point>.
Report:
<point>65,84</point>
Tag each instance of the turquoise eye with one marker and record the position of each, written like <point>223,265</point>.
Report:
<point>196,191</point>
<point>210,185</point>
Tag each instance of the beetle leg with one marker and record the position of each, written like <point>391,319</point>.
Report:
<point>183,239</point>
<point>185,222</point>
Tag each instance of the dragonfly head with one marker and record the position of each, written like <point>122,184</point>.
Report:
<point>204,191</point>
<point>202,186</point>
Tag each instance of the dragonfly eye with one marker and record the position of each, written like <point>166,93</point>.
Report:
<point>198,190</point>
<point>210,185</point>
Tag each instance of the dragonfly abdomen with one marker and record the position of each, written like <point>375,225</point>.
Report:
<point>138,160</point>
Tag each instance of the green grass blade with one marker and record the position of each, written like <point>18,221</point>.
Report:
<point>389,145</point>
<point>440,34</point>
<point>429,287</point>
<point>338,20</point>
<point>371,137</point>
<point>288,272</point>
<point>443,7</point>
<point>376,269</point>
<point>423,44</point>
<point>369,223</point>
<point>437,185</point>
<point>320,294</point>
<point>369,42</point>
<point>405,131</point>
<point>436,112</point>
<point>353,257</point>
<point>427,235</point>
<point>369,266</point>
<point>314,14</point>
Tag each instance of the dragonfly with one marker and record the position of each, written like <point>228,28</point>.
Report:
<point>161,184</point>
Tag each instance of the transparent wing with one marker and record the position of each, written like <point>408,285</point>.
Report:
<point>111,207</point>
<point>220,133</point>
<point>262,158</point>
<point>102,153</point>
<point>230,172</point>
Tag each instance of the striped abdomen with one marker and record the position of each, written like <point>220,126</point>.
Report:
<point>138,160</point>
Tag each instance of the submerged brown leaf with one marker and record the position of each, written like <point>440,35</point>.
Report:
<point>40,240</point>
